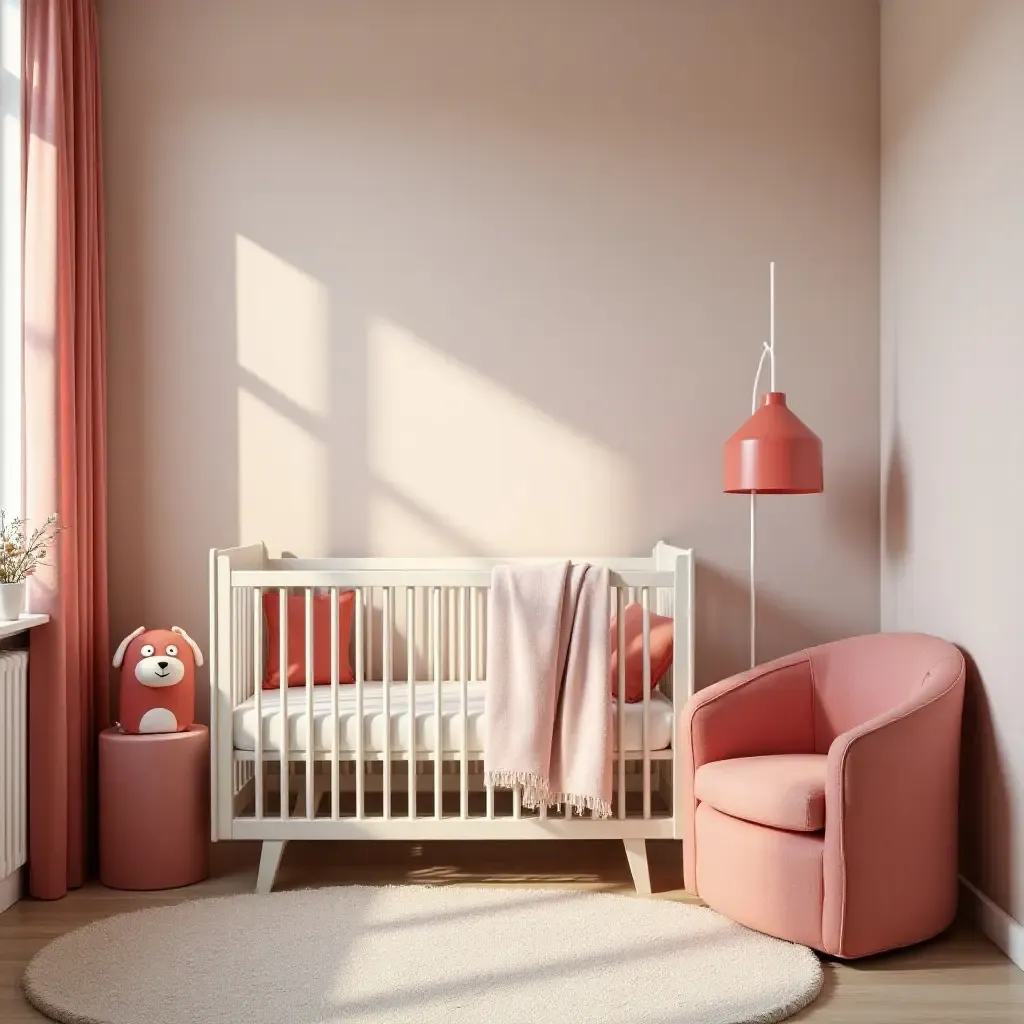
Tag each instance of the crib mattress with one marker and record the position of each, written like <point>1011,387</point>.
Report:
<point>245,722</point>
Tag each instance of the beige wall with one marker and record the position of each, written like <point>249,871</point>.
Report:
<point>490,278</point>
<point>953,363</point>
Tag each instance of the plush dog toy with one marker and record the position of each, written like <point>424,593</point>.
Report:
<point>158,680</point>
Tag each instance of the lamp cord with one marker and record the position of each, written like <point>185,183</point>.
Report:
<point>766,350</point>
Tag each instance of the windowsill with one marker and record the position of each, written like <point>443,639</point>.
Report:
<point>11,627</point>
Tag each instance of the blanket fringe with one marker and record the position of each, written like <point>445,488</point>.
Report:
<point>537,793</point>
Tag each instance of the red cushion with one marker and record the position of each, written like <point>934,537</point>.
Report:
<point>297,638</point>
<point>661,651</point>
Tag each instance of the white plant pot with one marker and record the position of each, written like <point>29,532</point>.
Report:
<point>12,600</point>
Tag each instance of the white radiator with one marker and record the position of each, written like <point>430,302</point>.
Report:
<point>13,761</point>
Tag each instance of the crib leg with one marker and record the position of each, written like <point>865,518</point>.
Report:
<point>270,861</point>
<point>636,854</point>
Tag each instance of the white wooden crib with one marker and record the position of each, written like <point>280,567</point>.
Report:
<point>329,768</point>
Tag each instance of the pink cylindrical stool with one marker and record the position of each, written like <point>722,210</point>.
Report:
<point>154,808</point>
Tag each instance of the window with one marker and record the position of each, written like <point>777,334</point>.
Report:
<point>11,431</point>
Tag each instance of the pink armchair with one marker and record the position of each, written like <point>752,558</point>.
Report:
<point>821,793</point>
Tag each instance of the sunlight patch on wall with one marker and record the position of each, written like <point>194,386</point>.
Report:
<point>283,466</point>
<point>411,534</point>
<point>283,319</point>
<point>480,461</point>
<point>420,530</point>
<point>282,481</point>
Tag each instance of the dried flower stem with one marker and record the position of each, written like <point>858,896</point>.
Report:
<point>22,553</point>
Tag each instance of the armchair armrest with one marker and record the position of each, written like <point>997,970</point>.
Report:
<point>891,795</point>
<point>768,710</point>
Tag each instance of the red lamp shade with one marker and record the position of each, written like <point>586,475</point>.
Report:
<point>773,453</point>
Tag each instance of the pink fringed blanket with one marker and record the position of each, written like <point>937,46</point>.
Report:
<point>548,712</point>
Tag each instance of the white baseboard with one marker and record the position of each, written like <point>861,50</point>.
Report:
<point>10,890</point>
<point>996,923</point>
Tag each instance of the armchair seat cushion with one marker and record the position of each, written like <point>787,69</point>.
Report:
<point>785,791</point>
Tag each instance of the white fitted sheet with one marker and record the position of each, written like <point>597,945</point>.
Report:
<point>660,726</point>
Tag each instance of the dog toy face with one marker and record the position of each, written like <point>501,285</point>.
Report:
<point>157,680</point>
<point>159,664</point>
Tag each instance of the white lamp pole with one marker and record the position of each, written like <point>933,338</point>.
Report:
<point>768,349</point>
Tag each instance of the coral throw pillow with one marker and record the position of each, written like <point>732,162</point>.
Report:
<point>297,638</point>
<point>661,651</point>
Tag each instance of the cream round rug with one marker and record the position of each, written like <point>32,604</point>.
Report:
<point>416,954</point>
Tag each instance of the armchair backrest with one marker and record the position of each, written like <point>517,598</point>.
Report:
<point>855,680</point>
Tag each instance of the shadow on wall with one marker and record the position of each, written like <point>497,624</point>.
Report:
<point>896,506</point>
<point>987,847</point>
<point>895,493</point>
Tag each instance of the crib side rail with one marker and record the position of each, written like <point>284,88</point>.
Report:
<point>414,577</point>
<point>384,564</point>
<point>224,679</point>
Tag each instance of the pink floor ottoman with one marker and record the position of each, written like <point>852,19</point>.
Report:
<point>154,808</point>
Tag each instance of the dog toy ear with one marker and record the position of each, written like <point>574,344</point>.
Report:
<point>123,646</point>
<point>195,647</point>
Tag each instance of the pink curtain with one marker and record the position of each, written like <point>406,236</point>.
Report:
<point>65,433</point>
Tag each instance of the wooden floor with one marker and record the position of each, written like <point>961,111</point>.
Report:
<point>959,977</point>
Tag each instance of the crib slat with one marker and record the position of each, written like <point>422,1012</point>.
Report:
<point>388,667</point>
<point>368,656</point>
<point>620,624</point>
<point>360,672</point>
<point>474,640</point>
<point>517,802</point>
<point>645,597</point>
<point>480,600</point>
<point>310,744</point>
<point>282,608</point>
<point>235,634</point>
<point>435,625</point>
<point>257,658</point>
<point>240,650</point>
<point>453,651</point>
<point>335,721</point>
<point>250,656</point>
<point>481,630</point>
<point>464,673</point>
<point>239,653</point>
<point>410,657</point>
<point>234,648</point>
<point>428,605</point>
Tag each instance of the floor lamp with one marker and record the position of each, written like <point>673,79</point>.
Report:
<point>772,453</point>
